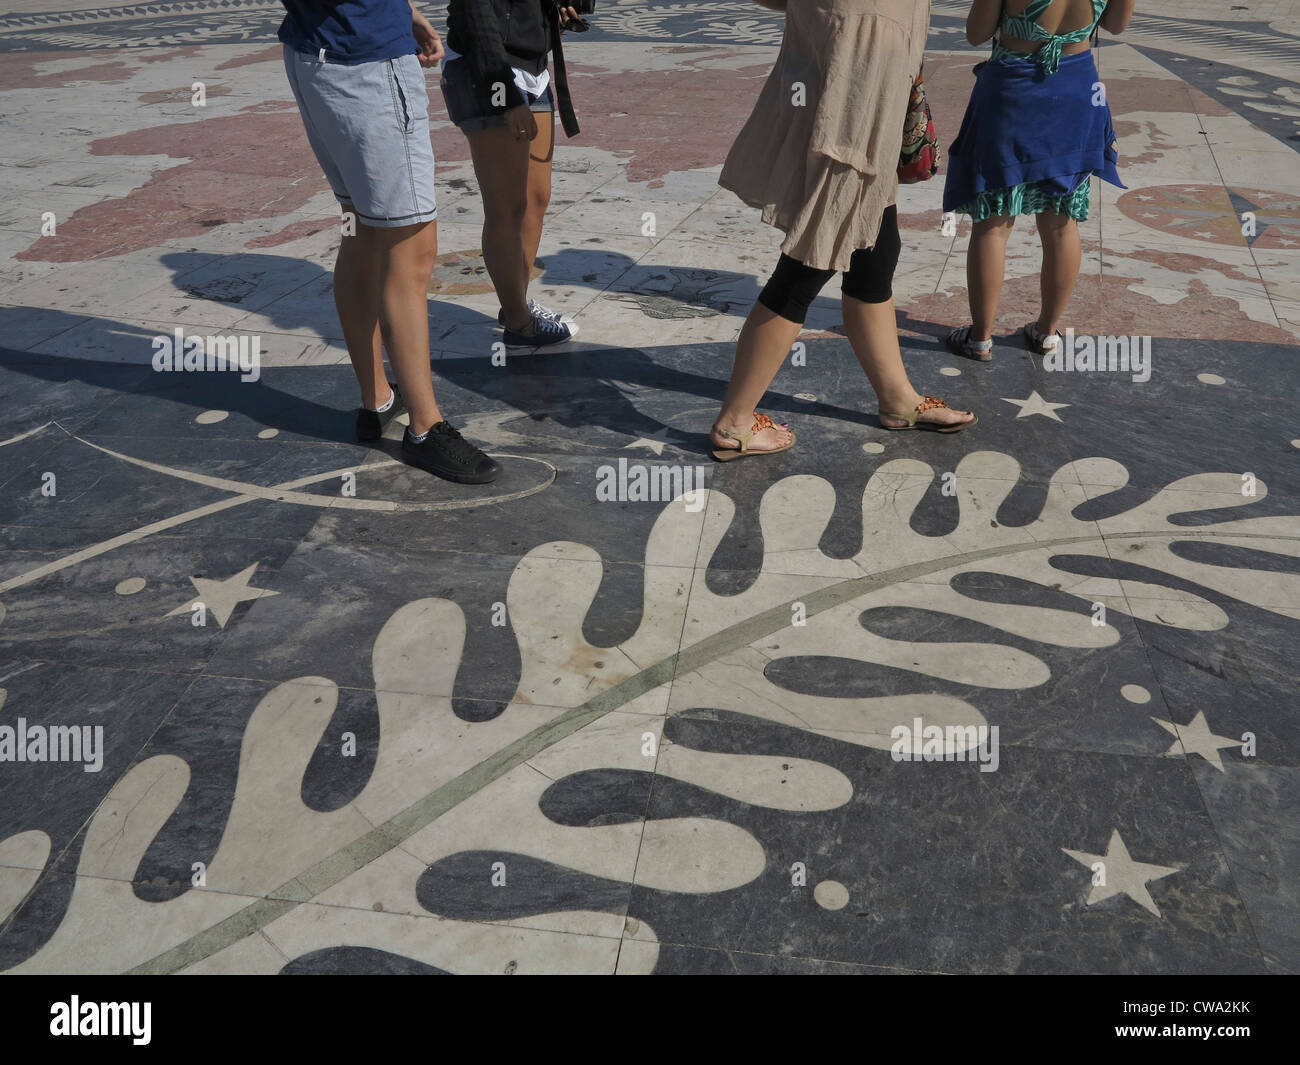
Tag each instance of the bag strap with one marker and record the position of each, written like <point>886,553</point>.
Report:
<point>929,11</point>
<point>568,117</point>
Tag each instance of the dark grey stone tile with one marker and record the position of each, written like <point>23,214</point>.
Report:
<point>1080,706</point>
<point>1011,899</point>
<point>47,388</point>
<point>678,960</point>
<point>357,961</point>
<point>206,730</point>
<point>1234,676</point>
<point>310,403</point>
<point>1175,425</point>
<point>90,488</point>
<point>338,598</point>
<point>1253,809</point>
<point>566,509</point>
<point>84,614</point>
<point>58,797</point>
<point>460,887</point>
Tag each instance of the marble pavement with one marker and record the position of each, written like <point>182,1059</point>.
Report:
<point>303,709</point>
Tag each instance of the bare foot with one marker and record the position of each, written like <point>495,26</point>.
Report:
<point>768,436</point>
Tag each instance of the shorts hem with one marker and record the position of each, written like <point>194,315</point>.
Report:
<point>482,122</point>
<point>390,221</point>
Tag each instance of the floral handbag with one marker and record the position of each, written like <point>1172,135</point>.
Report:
<point>919,160</point>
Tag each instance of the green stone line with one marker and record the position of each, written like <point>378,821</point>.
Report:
<point>401,826</point>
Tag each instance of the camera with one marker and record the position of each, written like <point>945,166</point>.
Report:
<point>582,7</point>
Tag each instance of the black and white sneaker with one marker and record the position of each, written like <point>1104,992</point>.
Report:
<point>447,454</point>
<point>544,333</point>
<point>535,308</point>
<point>371,424</point>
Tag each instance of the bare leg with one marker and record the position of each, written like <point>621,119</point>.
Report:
<point>761,349</point>
<point>357,298</point>
<point>873,331</point>
<point>1062,254</point>
<point>985,268</point>
<point>406,258</point>
<point>764,342</point>
<point>501,165</point>
<point>540,155</point>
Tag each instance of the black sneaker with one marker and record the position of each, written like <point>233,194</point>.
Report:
<point>371,424</point>
<point>447,454</point>
<point>545,332</point>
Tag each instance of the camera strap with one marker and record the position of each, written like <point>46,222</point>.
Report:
<point>568,117</point>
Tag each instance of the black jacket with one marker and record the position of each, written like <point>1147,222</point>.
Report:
<point>496,35</point>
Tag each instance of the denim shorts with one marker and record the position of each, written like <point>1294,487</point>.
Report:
<point>469,104</point>
<point>368,124</point>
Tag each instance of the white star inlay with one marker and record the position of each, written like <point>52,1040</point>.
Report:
<point>657,446</point>
<point>1196,738</point>
<point>1036,404</point>
<point>221,597</point>
<point>1121,874</point>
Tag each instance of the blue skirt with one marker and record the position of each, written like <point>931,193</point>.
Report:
<point>1023,126</point>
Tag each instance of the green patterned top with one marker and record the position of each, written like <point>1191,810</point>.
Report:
<point>1026,27</point>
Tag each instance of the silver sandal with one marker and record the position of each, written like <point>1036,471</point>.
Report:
<point>960,343</point>
<point>1039,344</point>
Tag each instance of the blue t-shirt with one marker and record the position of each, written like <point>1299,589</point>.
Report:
<point>350,31</point>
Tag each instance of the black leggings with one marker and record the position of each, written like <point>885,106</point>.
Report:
<point>869,278</point>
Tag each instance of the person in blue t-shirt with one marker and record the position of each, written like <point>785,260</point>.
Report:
<point>354,67</point>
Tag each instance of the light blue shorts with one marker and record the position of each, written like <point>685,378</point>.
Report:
<point>368,124</point>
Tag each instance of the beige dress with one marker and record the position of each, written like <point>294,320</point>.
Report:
<point>819,155</point>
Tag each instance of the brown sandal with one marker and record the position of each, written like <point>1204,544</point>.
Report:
<point>761,422</point>
<point>927,403</point>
